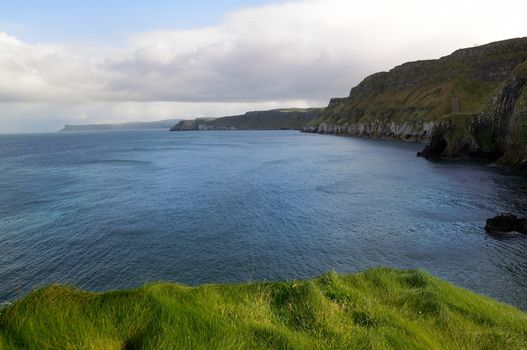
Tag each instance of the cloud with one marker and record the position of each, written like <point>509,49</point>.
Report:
<point>16,117</point>
<point>48,72</point>
<point>300,52</point>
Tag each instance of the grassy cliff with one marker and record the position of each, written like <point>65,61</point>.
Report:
<point>377,309</point>
<point>277,119</point>
<point>472,101</point>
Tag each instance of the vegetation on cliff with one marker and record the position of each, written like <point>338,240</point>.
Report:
<point>380,308</point>
<point>277,119</point>
<point>472,103</point>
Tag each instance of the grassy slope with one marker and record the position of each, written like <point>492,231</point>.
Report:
<point>380,308</point>
<point>292,118</point>
<point>418,105</point>
<point>425,103</point>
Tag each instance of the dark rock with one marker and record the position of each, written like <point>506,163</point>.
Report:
<point>506,222</point>
<point>435,148</point>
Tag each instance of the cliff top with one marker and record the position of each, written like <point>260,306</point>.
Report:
<point>380,308</point>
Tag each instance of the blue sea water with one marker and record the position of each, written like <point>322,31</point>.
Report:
<point>113,210</point>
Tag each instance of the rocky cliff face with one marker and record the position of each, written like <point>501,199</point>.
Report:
<point>469,104</point>
<point>511,113</point>
<point>384,129</point>
<point>194,124</point>
<point>498,133</point>
<point>259,120</point>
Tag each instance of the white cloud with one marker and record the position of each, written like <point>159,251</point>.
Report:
<point>296,52</point>
<point>41,72</point>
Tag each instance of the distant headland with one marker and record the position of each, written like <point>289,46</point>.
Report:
<point>276,119</point>
<point>160,124</point>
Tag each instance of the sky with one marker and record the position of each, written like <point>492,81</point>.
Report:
<point>82,62</point>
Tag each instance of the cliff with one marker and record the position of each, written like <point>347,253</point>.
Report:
<point>161,124</point>
<point>277,119</point>
<point>376,309</point>
<point>470,104</point>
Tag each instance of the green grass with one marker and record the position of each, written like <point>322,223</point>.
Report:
<point>377,309</point>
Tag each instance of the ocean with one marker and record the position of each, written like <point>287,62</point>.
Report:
<point>108,210</point>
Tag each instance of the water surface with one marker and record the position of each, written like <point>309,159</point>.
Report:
<point>113,210</point>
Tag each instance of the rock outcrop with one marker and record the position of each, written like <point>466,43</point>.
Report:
<point>506,223</point>
<point>470,104</point>
<point>278,119</point>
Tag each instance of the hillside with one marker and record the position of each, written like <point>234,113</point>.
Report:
<point>470,104</point>
<point>276,119</point>
<point>161,124</point>
<point>377,309</point>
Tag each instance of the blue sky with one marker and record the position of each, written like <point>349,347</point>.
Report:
<point>61,20</point>
<point>81,62</point>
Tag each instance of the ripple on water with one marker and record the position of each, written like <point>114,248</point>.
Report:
<point>113,210</point>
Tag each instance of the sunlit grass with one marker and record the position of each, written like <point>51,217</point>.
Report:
<point>380,308</point>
